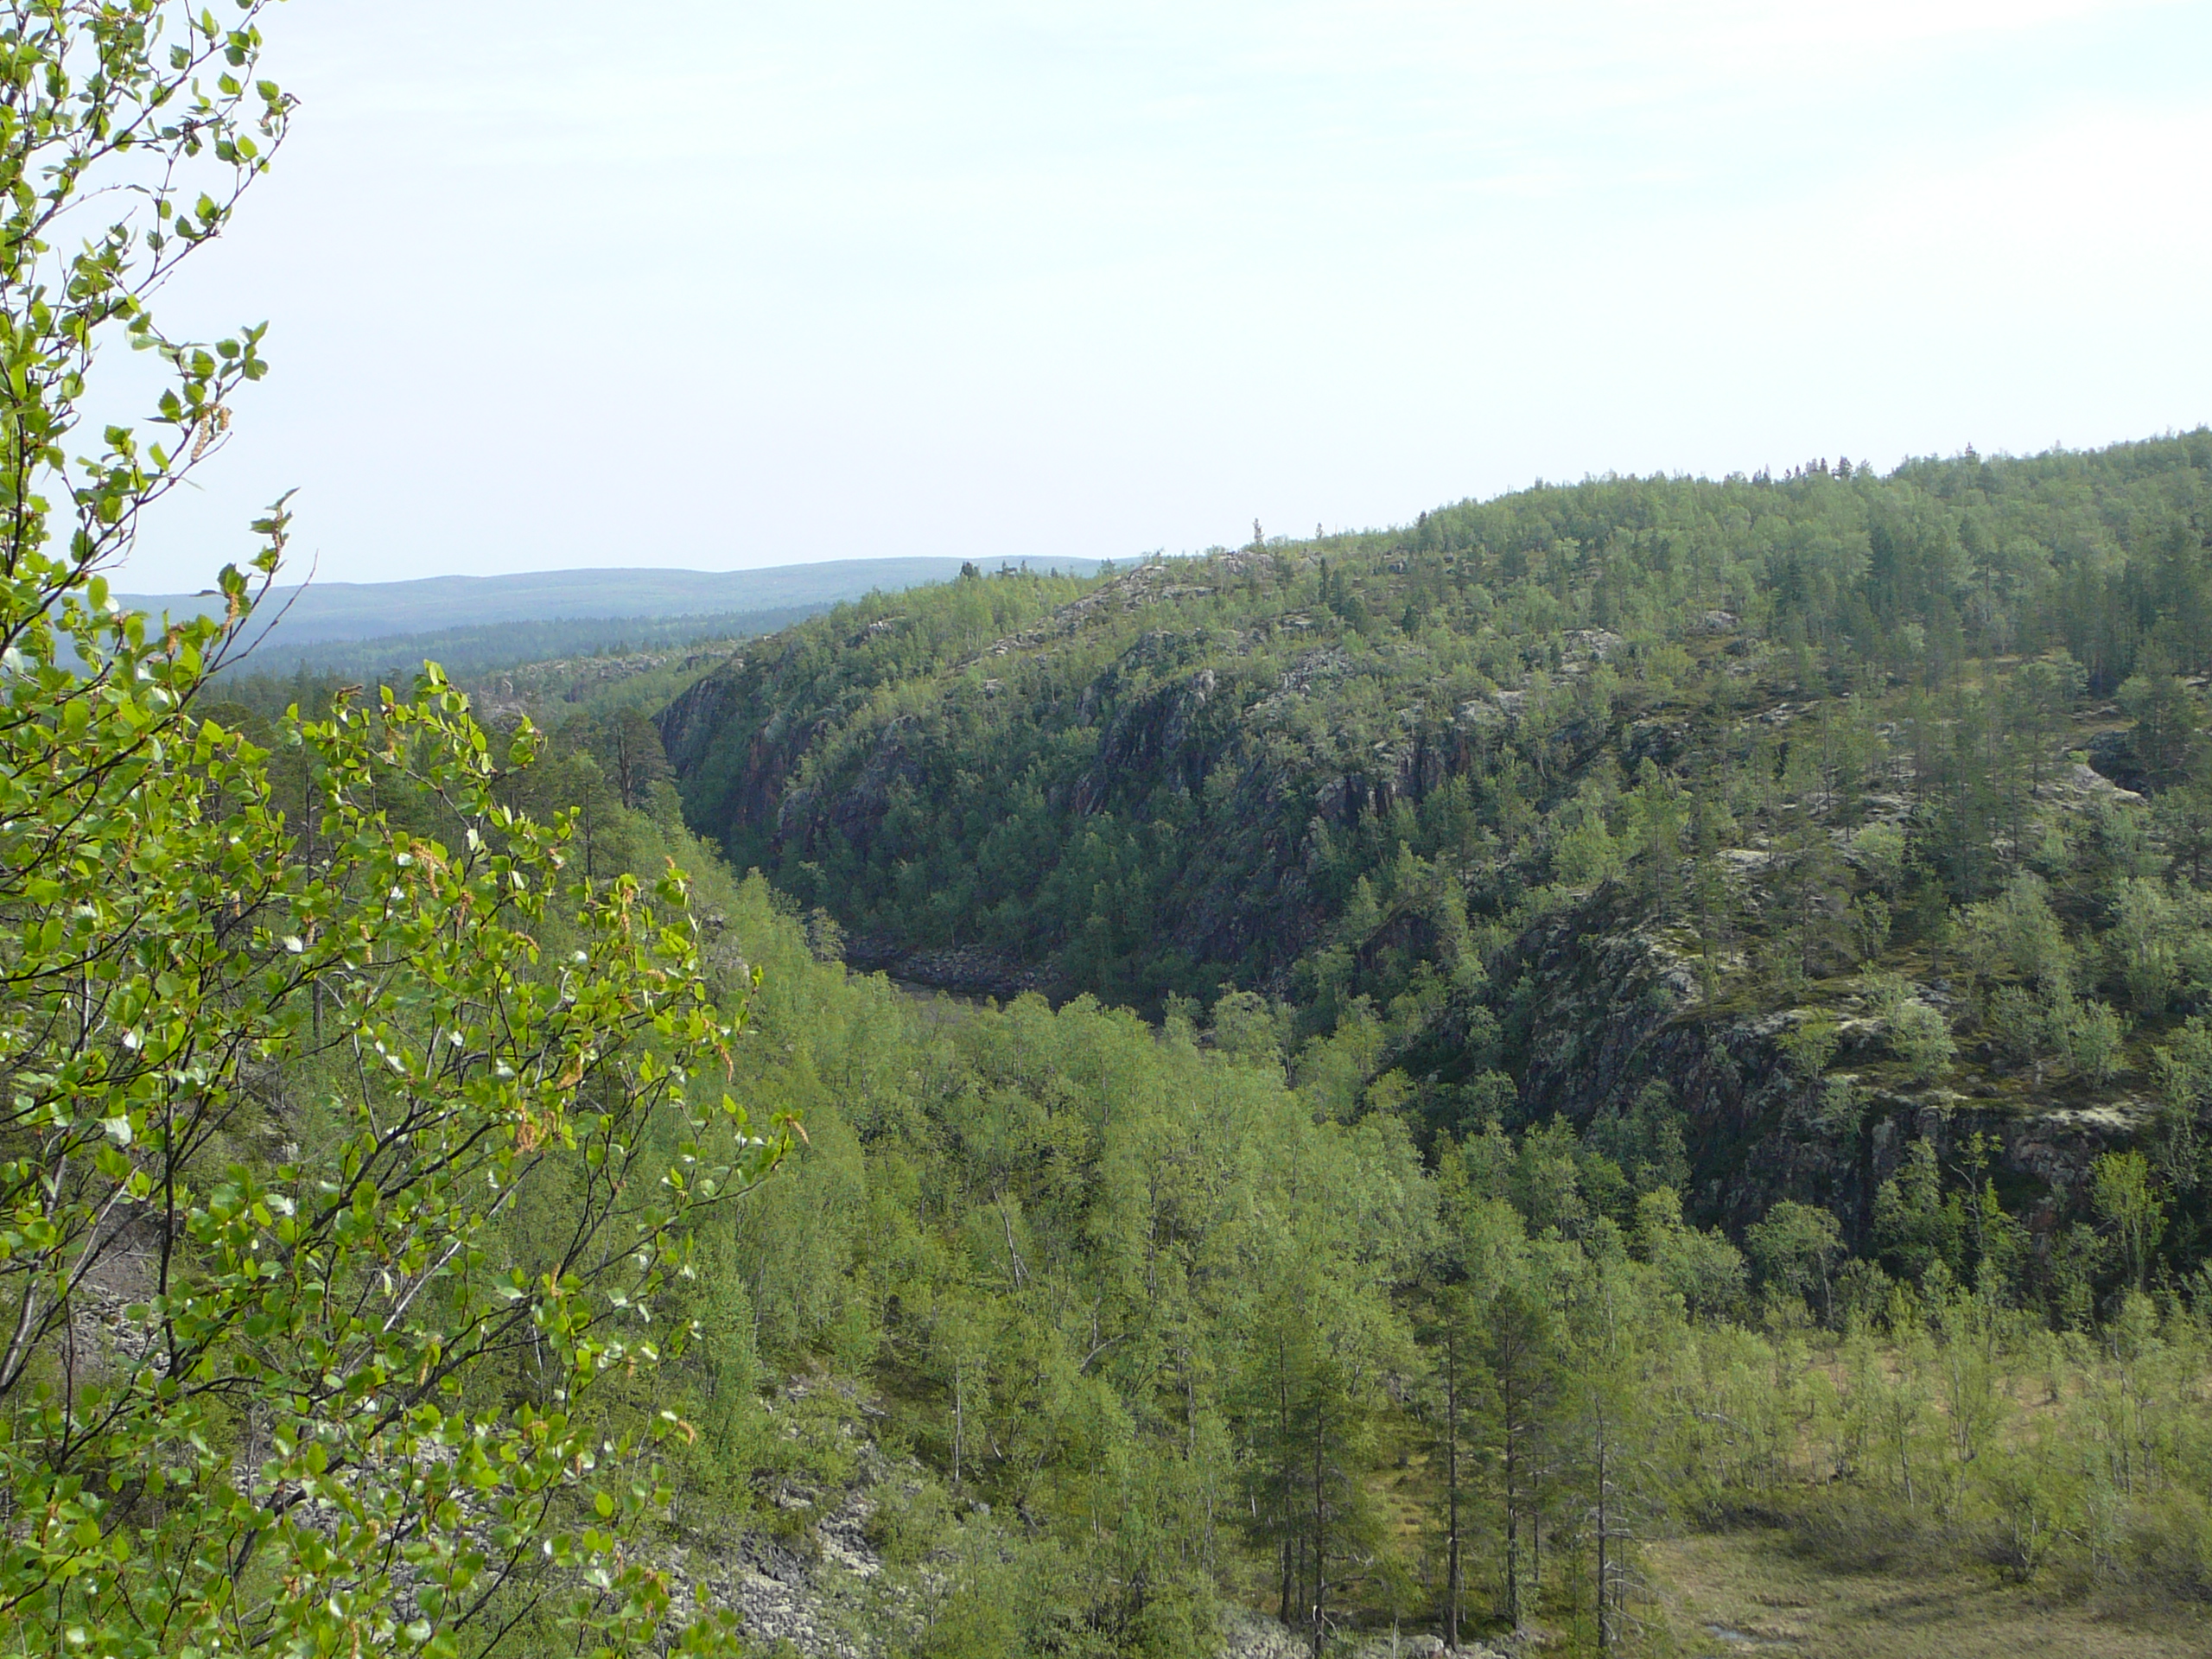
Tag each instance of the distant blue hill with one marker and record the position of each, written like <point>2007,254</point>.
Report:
<point>293,618</point>
<point>471,654</point>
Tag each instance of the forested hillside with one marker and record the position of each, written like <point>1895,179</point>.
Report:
<point>1200,744</point>
<point>1066,1333</point>
<point>1833,812</point>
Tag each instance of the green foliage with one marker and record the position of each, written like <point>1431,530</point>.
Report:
<point>1160,1337</point>
<point>1914,1227</point>
<point>1796,1248</point>
<point>1646,1141</point>
<point>2128,1204</point>
<point>345,1155</point>
<point>1917,1034</point>
<point>1700,1265</point>
<point>311,1141</point>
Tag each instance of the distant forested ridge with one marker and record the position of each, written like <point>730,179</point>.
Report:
<point>317,613</point>
<point>469,653</point>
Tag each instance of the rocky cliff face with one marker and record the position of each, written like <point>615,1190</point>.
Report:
<point>737,737</point>
<point>1617,1007</point>
<point>1180,722</point>
<point>731,716</point>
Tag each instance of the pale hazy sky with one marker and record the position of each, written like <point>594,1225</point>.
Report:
<point>720,285</point>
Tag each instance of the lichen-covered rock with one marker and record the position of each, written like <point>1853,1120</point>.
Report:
<point>1617,1007</point>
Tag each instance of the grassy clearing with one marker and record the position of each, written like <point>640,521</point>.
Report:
<point>1749,1591</point>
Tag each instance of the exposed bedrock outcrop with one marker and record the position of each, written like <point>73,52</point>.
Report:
<point>1613,1011</point>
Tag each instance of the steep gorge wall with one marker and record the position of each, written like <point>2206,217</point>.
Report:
<point>1613,1011</point>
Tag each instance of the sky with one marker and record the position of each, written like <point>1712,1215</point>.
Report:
<point>725,283</point>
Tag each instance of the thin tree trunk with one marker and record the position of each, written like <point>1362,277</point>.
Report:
<point>1320,1534</point>
<point>1512,1525</point>
<point>1605,1610</point>
<point>1452,1483</point>
<point>1536,1546</point>
<point>1282,1394</point>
